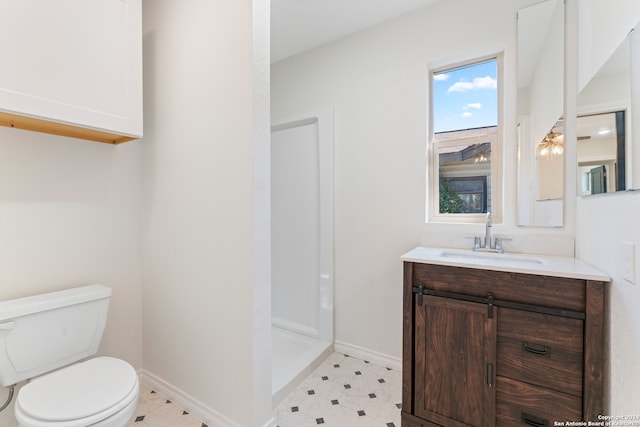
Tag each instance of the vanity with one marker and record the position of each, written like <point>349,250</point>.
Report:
<point>501,339</point>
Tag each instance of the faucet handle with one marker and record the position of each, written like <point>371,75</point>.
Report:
<point>477,241</point>
<point>499,241</point>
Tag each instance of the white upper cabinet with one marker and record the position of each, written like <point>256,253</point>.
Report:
<point>72,67</point>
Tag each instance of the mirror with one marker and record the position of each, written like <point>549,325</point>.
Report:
<point>601,153</point>
<point>550,165</point>
<point>540,105</point>
<point>605,123</point>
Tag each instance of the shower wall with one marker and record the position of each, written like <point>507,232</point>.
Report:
<point>302,226</point>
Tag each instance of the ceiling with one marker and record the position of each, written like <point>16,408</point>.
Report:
<point>300,25</point>
<point>597,127</point>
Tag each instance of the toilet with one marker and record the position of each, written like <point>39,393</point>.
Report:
<point>52,339</point>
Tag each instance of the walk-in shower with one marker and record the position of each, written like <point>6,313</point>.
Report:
<point>301,248</point>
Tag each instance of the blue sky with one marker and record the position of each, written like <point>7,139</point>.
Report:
<point>465,98</point>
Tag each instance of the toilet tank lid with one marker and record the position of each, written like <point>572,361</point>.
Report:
<point>11,309</point>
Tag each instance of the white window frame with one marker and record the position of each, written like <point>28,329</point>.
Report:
<point>437,141</point>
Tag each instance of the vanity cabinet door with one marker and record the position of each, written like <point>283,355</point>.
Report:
<point>455,345</point>
<point>72,67</point>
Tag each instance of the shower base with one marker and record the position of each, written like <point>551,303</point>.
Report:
<point>295,356</point>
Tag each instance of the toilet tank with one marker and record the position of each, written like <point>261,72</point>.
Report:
<point>44,332</point>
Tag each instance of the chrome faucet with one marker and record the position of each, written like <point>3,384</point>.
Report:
<point>487,231</point>
<point>488,244</point>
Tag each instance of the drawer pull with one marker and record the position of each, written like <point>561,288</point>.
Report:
<point>533,421</point>
<point>538,350</point>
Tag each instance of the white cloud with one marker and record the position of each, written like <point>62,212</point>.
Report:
<point>466,114</point>
<point>440,77</point>
<point>460,87</point>
<point>475,105</point>
<point>485,82</point>
<point>478,83</point>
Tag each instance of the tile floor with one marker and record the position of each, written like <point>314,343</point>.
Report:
<point>342,392</point>
<point>155,410</point>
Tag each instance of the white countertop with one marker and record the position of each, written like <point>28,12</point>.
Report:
<point>544,265</point>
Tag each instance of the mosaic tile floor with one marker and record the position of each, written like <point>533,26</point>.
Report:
<point>342,392</point>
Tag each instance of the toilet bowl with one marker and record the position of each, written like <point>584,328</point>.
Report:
<point>98,392</point>
<point>51,340</point>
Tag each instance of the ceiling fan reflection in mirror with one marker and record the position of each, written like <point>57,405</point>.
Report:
<point>553,143</point>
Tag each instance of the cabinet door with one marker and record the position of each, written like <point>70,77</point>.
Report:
<point>72,62</point>
<point>455,345</point>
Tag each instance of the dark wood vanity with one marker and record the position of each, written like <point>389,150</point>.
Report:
<point>499,348</point>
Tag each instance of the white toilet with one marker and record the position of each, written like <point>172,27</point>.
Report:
<point>50,339</point>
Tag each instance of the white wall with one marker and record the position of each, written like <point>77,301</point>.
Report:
<point>376,81</point>
<point>603,222</point>
<point>70,216</point>
<point>603,25</point>
<point>206,207</point>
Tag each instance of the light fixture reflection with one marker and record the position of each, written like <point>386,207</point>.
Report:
<point>480,158</point>
<point>552,144</point>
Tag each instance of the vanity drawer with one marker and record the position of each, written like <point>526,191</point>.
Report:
<point>540,349</point>
<point>519,404</point>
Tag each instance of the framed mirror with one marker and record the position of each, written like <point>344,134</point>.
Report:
<point>540,108</point>
<point>605,125</point>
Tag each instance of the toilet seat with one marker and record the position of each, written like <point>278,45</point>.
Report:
<point>78,395</point>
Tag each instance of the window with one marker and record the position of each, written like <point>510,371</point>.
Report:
<point>465,141</point>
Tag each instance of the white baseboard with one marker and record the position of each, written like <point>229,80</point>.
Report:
<point>385,360</point>
<point>196,408</point>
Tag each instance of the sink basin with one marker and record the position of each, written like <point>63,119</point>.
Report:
<point>488,257</point>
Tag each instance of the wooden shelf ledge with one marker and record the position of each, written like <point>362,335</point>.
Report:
<point>62,129</point>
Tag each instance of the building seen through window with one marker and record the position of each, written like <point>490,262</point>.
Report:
<point>465,129</point>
